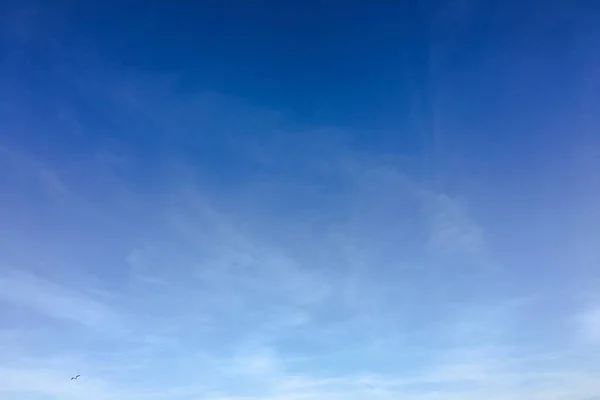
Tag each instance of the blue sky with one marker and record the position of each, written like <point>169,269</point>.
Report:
<point>299,200</point>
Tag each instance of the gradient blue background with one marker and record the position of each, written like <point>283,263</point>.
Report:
<point>299,200</point>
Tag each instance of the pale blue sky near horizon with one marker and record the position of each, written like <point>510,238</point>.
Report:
<point>299,200</point>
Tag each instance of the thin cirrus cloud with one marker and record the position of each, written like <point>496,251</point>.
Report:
<point>226,286</point>
<point>589,321</point>
<point>175,245</point>
<point>43,297</point>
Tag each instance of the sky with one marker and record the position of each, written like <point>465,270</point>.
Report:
<point>285,200</point>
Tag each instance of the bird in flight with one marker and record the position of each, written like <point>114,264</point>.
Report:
<point>75,377</point>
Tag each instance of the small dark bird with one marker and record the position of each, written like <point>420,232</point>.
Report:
<point>75,377</point>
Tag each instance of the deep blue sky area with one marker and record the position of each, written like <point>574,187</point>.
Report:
<point>302,57</point>
<point>370,68</point>
<point>299,200</point>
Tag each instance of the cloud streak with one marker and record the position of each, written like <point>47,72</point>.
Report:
<point>194,246</point>
<point>232,294</point>
<point>22,289</point>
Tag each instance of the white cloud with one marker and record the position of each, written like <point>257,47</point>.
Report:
<point>215,260</point>
<point>452,231</point>
<point>227,280</point>
<point>23,289</point>
<point>590,324</point>
<point>23,165</point>
<point>457,382</point>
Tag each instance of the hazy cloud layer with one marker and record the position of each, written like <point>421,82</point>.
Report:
<point>180,243</point>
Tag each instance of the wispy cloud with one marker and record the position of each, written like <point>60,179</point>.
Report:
<point>589,321</point>
<point>29,167</point>
<point>290,265</point>
<point>28,291</point>
<point>452,230</point>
